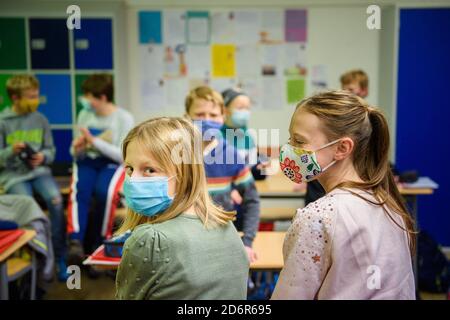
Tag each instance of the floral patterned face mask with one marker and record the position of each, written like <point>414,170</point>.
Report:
<point>301,165</point>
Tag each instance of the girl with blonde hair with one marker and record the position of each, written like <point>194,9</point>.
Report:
<point>182,246</point>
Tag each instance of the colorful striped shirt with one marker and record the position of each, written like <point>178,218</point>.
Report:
<point>226,170</point>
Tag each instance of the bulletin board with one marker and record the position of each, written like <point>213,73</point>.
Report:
<point>263,52</point>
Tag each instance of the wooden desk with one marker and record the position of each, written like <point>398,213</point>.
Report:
<point>277,213</point>
<point>268,246</point>
<point>23,240</point>
<point>11,268</point>
<point>278,186</point>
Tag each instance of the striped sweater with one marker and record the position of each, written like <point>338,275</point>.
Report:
<point>226,170</point>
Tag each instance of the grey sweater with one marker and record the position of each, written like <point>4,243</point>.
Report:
<point>31,128</point>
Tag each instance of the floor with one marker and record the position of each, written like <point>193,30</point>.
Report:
<point>103,288</point>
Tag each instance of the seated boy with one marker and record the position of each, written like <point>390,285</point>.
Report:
<point>97,169</point>
<point>23,128</point>
<point>225,169</point>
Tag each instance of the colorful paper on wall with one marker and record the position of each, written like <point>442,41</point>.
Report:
<point>150,27</point>
<point>223,60</point>
<point>295,25</point>
<point>295,90</point>
<point>198,27</point>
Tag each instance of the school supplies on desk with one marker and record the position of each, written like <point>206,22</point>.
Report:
<point>99,258</point>
<point>114,246</point>
<point>7,238</point>
<point>421,183</point>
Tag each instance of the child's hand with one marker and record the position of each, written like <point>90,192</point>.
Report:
<point>252,257</point>
<point>17,147</point>
<point>79,144</point>
<point>37,159</point>
<point>235,196</point>
<point>87,135</point>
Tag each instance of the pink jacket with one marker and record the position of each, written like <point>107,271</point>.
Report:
<point>343,247</point>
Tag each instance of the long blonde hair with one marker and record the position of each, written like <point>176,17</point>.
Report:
<point>344,114</point>
<point>175,143</point>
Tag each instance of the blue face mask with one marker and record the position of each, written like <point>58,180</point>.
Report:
<point>147,196</point>
<point>240,118</point>
<point>205,125</point>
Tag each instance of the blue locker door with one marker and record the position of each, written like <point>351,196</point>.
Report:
<point>423,113</point>
<point>56,103</point>
<point>93,44</point>
<point>62,139</point>
<point>49,44</point>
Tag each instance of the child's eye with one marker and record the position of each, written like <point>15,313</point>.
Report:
<point>149,170</point>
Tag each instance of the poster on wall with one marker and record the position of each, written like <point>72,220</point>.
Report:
<point>262,52</point>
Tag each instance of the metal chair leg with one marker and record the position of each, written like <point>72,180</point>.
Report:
<point>33,275</point>
<point>4,295</point>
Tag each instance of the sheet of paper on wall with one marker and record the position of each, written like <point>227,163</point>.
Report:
<point>295,89</point>
<point>272,26</point>
<point>175,64</point>
<point>149,27</point>
<point>198,27</point>
<point>271,56</point>
<point>223,60</point>
<point>248,26</point>
<point>176,91</point>
<point>248,60</point>
<point>198,61</point>
<point>153,94</point>
<point>222,84</point>
<point>295,59</point>
<point>151,62</point>
<point>273,93</point>
<point>223,27</point>
<point>319,78</point>
<point>296,25</point>
<point>251,86</point>
<point>174,26</point>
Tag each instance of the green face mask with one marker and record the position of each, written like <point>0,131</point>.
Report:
<point>85,104</point>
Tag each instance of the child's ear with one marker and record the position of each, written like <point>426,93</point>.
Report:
<point>344,148</point>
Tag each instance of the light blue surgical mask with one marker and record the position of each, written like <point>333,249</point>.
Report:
<point>85,104</point>
<point>240,118</point>
<point>147,196</point>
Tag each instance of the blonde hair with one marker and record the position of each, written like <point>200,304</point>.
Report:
<point>17,84</point>
<point>205,93</point>
<point>159,137</point>
<point>344,114</point>
<point>357,75</point>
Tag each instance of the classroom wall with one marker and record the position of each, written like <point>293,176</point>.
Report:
<point>97,8</point>
<point>332,31</point>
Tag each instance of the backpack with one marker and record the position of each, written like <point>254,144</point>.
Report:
<point>433,265</point>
